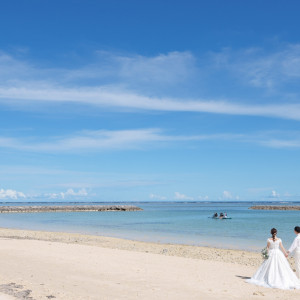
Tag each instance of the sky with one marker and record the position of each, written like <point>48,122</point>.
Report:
<point>149,100</point>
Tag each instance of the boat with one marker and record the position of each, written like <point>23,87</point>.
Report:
<point>218,218</point>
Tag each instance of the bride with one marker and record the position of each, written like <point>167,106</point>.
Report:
<point>275,272</point>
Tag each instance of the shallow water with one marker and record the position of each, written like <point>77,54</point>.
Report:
<point>169,222</point>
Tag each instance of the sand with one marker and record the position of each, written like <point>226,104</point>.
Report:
<point>44,265</point>
<point>6,297</point>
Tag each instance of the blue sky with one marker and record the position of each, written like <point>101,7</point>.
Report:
<point>149,100</point>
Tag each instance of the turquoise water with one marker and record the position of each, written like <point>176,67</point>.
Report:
<point>169,222</point>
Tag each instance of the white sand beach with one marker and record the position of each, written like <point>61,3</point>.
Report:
<point>6,297</point>
<point>45,265</point>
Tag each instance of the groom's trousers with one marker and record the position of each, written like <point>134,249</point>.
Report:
<point>297,263</point>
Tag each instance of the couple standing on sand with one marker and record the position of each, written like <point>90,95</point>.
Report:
<point>275,271</point>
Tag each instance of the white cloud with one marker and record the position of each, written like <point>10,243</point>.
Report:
<point>158,197</point>
<point>11,194</point>
<point>68,194</point>
<point>71,192</point>
<point>286,196</point>
<point>179,196</point>
<point>274,194</point>
<point>227,195</point>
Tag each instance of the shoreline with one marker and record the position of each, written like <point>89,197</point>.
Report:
<point>67,266</point>
<point>237,256</point>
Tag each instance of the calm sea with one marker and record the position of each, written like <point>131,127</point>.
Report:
<point>169,222</point>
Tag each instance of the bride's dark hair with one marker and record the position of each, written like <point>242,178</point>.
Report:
<point>297,229</point>
<point>273,232</point>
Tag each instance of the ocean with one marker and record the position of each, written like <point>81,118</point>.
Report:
<point>169,222</point>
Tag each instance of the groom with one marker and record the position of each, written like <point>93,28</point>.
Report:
<point>295,247</point>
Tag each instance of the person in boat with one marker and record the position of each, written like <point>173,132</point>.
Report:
<point>215,215</point>
<point>225,216</point>
<point>221,215</point>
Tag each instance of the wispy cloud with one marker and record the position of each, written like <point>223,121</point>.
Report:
<point>157,197</point>
<point>114,98</point>
<point>282,143</point>
<point>260,68</point>
<point>278,139</point>
<point>169,68</point>
<point>106,67</point>
<point>23,83</point>
<point>103,140</point>
<point>140,139</point>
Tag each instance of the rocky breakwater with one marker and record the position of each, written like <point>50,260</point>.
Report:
<point>276,207</point>
<point>67,208</point>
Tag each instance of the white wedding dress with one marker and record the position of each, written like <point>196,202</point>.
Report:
<point>275,272</point>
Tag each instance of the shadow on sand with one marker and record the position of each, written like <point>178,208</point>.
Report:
<point>243,277</point>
